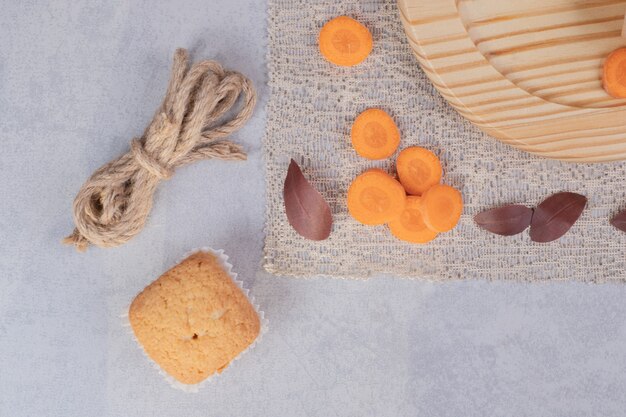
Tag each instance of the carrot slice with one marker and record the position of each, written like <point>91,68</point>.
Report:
<point>344,41</point>
<point>442,207</point>
<point>614,73</point>
<point>374,134</point>
<point>375,197</point>
<point>410,226</point>
<point>418,169</point>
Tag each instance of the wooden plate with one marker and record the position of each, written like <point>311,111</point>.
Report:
<point>527,72</point>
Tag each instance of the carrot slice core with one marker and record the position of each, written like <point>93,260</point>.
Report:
<point>345,41</point>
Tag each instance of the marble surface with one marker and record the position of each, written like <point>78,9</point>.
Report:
<point>77,81</point>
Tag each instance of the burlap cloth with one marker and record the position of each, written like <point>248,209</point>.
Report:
<point>310,111</point>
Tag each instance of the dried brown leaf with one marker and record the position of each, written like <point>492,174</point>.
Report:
<point>619,221</point>
<point>506,221</point>
<point>307,211</point>
<point>556,215</point>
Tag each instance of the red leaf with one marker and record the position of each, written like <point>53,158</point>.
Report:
<point>307,211</point>
<point>506,221</point>
<point>556,215</point>
<point>619,221</point>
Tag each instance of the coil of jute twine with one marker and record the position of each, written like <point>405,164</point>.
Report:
<point>114,203</point>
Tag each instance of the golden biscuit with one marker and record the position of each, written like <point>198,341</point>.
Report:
<point>194,320</point>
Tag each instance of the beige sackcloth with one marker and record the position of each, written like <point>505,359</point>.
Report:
<point>310,112</point>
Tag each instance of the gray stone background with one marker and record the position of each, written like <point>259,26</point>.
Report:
<point>77,81</point>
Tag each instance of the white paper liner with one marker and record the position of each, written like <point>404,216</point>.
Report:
<point>228,267</point>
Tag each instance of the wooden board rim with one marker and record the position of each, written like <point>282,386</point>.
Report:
<point>528,122</point>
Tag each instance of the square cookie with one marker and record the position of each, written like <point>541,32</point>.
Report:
<point>194,319</point>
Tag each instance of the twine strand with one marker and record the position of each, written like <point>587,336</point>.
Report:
<point>113,205</point>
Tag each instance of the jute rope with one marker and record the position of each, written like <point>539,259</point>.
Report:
<point>113,205</point>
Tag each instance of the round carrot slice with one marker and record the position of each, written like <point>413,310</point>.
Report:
<point>375,197</point>
<point>442,207</point>
<point>374,134</point>
<point>614,73</point>
<point>410,226</point>
<point>344,41</point>
<point>418,169</point>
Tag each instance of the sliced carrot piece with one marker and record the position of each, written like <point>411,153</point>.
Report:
<point>344,41</point>
<point>442,207</point>
<point>418,169</point>
<point>375,197</point>
<point>614,73</point>
<point>374,134</point>
<point>410,226</point>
